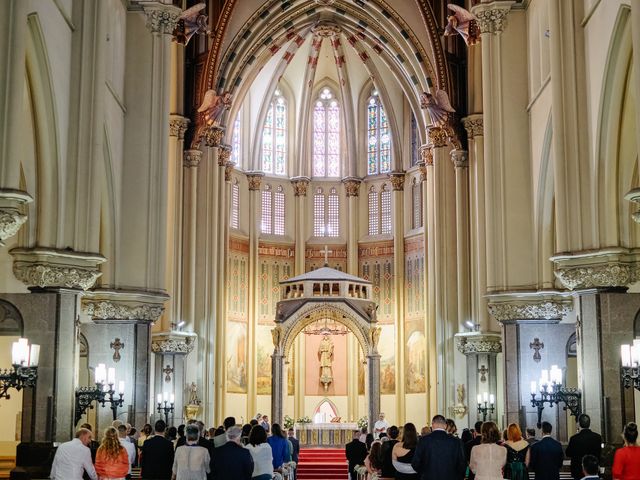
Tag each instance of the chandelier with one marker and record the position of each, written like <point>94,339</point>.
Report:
<point>326,325</point>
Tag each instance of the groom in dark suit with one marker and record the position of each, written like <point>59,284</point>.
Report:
<point>439,455</point>
<point>585,442</point>
<point>546,456</point>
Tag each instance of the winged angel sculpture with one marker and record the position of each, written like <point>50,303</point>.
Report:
<point>438,106</point>
<point>212,108</point>
<point>191,22</point>
<point>463,23</point>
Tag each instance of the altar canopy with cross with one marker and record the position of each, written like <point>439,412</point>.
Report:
<point>326,303</point>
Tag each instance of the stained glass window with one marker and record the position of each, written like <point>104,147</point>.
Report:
<point>374,212</point>
<point>333,214</point>
<point>267,212</point>
<point>326,136</point>
<point>278,209</point>
<point>318,213</point>
<point>235,142</point>
<point>273,211</point>
<point>380,211</point>
<point>385,211</point>
<point>274,138</point>
<point>326,213</point>
<point>235,206</point>
<point>378,137</point>
<point>416,195</point>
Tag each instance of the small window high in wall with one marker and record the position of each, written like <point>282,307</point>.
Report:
<point>326,213</point>
<point>274,137</point>
<point>326,135</point>
<point>378,137</point>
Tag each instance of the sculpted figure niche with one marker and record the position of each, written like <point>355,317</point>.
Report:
<point>325,355</point>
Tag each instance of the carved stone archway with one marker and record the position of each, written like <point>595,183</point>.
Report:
<point>311,297</point>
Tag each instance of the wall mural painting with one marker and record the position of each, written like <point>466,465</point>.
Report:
<point>386,348</point>
<point>264,350</point>
<point>416,353</point>
<point>236,357</point>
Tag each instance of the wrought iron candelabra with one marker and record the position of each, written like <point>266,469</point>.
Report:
<point>102,393</point>
<point>24,372</point>
<point>486,405</point>
<point>630,370</point>
<point>166,405</point>
<point>552,392</point>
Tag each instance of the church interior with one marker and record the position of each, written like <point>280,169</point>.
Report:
<point>319,211</point>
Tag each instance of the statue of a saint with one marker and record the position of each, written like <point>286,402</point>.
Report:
<point>325,355</point>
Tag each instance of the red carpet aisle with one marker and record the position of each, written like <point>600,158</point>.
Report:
<point>322,464</point>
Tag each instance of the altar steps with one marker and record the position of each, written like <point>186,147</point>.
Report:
<point>322,464</point>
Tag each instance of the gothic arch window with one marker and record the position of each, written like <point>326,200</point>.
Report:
<point>326,135</point>
<point>272,211</point>
<point>235,205</point>
<point>378,137</point>
<point>380,211</point>
<point>416,200</point>
<point>235,141</point>
<point>274,137</point>
<point>326,213</point>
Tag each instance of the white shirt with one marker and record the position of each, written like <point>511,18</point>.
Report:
<point>131,450</point>
<point>379,427</point>
<point>262,459</point>
<point>71,461</point>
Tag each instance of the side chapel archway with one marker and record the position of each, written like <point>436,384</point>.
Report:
<point>306,299</point>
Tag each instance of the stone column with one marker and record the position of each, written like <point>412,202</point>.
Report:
<point>480,350</point>
<point>278,386</point>
<point>191,160</point>
<point>255,182</point>
<point>300,187</point>
<point>460,161</point>
<point>171,349</point>
<point>373,394</point>
<point>352,189</point>
<point>397,183</point>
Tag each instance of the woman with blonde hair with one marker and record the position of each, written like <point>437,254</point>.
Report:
<point>488,458</point>
<point>112,460</point>
<point>517,448</point>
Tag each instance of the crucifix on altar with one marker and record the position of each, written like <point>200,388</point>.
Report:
<point>326,252</point>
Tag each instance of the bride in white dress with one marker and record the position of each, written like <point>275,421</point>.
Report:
<point>488,458</point>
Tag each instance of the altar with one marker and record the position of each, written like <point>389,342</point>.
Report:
<point>329,435</point>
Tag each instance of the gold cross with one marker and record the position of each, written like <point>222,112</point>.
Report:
<point>326,255</point>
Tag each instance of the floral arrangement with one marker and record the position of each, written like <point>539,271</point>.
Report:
<point>304,419</point>
<point>363,422</point>
<point>288,422</point>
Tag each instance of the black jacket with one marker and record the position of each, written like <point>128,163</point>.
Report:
<point>439,456</point>
<point>157,458</point>
<point>387,462</point>
<point>545,459</point>
<point>585,442</point>
<point>356,452</point>
<point>467,452</point>
<point>295,455</point>
<point>231,461</point>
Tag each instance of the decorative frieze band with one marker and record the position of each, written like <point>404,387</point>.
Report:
<point>172,343</point>
<point>192,158</point>
<point>474,125</point>
<point>474,343</point>
<point>519,306</point>
<point>124,306</point>
<point>300,186</point>
<point>492,17</point>
<point>178,126</point>
<point>48,268</point>
<point>397,180</point>
<point>161,18</point>
<point>607,268</point>
<point>11,216</point>
<point>352,186</point>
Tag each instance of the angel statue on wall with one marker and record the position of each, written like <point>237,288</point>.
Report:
<point>212,108</point>
<point>438,106</point>
<point>325,355</point>
<point>190,23</point>
<point>463,23</point>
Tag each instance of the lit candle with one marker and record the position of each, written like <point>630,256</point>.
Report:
<point>534,387</point>
<point>111,376</point>
<point>34,357</point>
<point>545,377</point>
<point>24,351</point>
<point>485,396</point>
<point>166,396</point>
<point>635,352</point>
<point>172,398</point>
<point>479,399</point>
<point>492,399</point>
<point>15,353</point>
<point>625,355</point>
<point>159,398</point>
<point>101,373</point>
<point>121,387</point>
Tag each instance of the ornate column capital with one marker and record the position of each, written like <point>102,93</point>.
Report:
<point>124,306</point>
<point>633,196</point>
<point>192,158</point>
<point>426,155</point>
<point>474,125</point>
<point>474,343</point>
<point>178,126</point>
<point>11,216</point>
<point>161,17</point>
<point>438,137</point>
<point>255,180</point>
<point>173,343</point>
<point>509,307</point>
<point>224,154</point>
<point>422,168</point>
<point>606,268</point>
<point>460,158</point>
<point>49,268</point>
<point>300,186</point>
<point>352,186</point>
<point>228,170</point>
<point>397,180</point>
<point>492,17</point>
<point>213,136</point>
